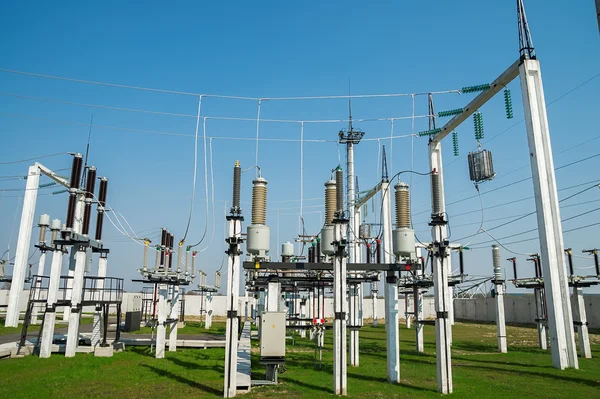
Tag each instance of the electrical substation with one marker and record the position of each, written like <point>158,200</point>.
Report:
<point>317,292</point>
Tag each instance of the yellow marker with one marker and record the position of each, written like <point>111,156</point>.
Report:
<point>257,265</point>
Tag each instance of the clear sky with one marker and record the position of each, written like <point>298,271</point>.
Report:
<point>282,49</point>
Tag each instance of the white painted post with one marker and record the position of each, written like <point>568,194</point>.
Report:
<point>374,294</point>
<point>340,306</point>
<point>233,287</point>
<point>82,254</point>
<point>441,259</point>
<point>581,323</point>
<point>273,296</point>
<point>560,318</point>
<point>209,311</point>
<point>174,315</point>
<point>50,316</point>
<point>392,331</point>
<point>22,250</point>
<point>407,309</point>
<point>97,327</point>
<point>321,316</point>
<point>161,328</point>
<point>303,316</point>
<point>418,312</point>
<point>500,318</point>
<point>541,324</point>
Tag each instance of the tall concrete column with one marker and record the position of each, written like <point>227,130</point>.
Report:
<point>50,317</point>
<point>161,328</point>
<point>392,332</point>
<point>581,323</point>
<point>174,315</point>
<point>560,318</point>
<point>38,282</point>
<point>500,318</point>
<point>22,251</point>
<point>97,327</point>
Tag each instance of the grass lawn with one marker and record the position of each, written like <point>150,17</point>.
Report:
<point>36,327</point>
<point>479,372</point>
<point>191,328</point>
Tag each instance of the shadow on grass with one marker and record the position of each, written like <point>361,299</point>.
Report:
<point>384,380</point>
<point>533,373</point>
<point>306,385</point>
<point>194,366</point>
<point>498,361</point>
<point>183,380</point>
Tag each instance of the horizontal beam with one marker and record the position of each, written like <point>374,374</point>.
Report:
<point>361,201</point>
<point>44,170</point>
<point>507,76</point>
<point>322,266</point>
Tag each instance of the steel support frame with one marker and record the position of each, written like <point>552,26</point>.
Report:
<point>560,318</point>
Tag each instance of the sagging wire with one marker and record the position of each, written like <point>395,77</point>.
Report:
<point>212,193</point>
<point>205,187</point>
<point>187,227</point>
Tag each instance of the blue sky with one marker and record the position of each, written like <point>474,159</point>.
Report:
<point>280,49</point>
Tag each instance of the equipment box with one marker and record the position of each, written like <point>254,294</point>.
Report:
<point>272,334</point>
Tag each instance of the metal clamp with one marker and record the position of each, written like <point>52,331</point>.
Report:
<point>441,315</point>
<point>232,314</point>
<point>340,315</point>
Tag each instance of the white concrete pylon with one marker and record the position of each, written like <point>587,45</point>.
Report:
<point>581,323</point>
<point>442,297</point>
<point>209,311</point>
<point>50,315</point>
<point>340,307</point>
<point>22,250</point>
<point>392,331</point>
<point>500,318</point>
<point>374,294</point>
<point>97,326</point>
<point>82,255</point>
<point>231,328</point>
<point>418,311</point>
<point>407,310</point>
<point>303,316</point>
<point>161,316</point>
<point>540,305</point>
<point>174,316</point>
<point>560,318</point>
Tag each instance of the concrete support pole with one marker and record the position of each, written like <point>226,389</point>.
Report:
<point>392,332</point>
<point>581,323</point>
<point>174,316</point>
<point>273,296</point>
<point>560,318</point>
<point>340,307</point>
<point>233,288</point>
<point>354,344</point>
<point>161,316</point>
<point>352,236</point>
<point>22,251</point>
<point>311,313</point>
<point>50,317</point>
<point>82,256</point>
<point>209,311</point>
<point>374,294</point>
<point>303,316</point>
<point>500,318</point>
<point>407,310</point>
<point>541,320</point>
<point>418,311</point>
<point>38,282</point>
<point>321,315</point>
<point>97,327</point>
<point>442,296</point>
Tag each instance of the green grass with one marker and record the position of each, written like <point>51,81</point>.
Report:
<point>479,371</point>
<point>36,327</point>
<point>191,328</point>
